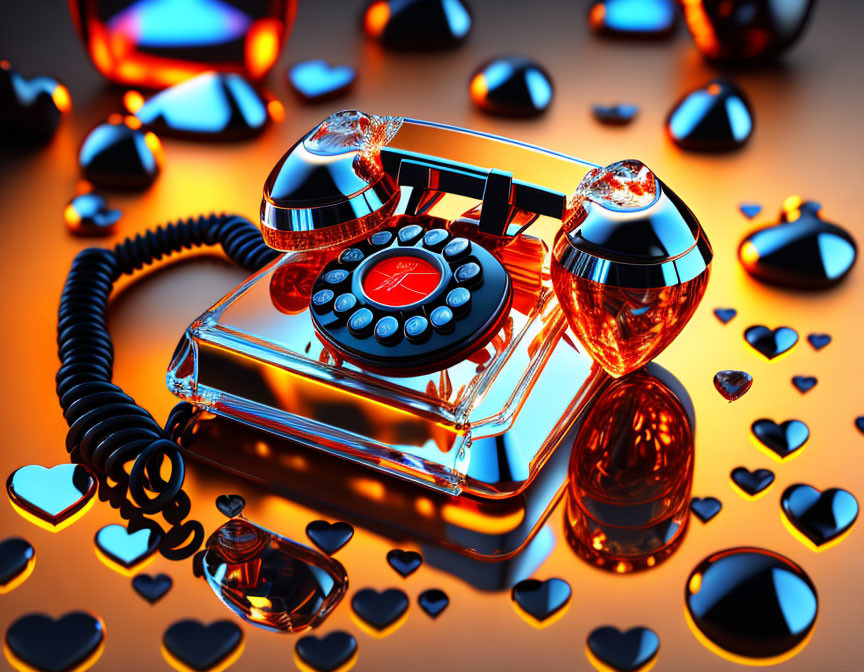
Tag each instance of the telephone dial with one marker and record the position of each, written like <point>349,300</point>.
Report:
<point>447,303</point>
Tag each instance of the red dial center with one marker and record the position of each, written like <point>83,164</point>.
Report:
<point>401,280</point>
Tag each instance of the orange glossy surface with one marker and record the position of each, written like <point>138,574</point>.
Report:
<point>807,121</point>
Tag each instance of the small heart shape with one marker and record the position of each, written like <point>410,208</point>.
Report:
<point>624,651</point>
<point>725,315</point>
<point>819,516</point>
<point>752,482</point>
<point>783,439</point>
<point>16,561</point>
<point>230,505</point>
<point>125,548</point>
<point>317,80</point>
<point>771,342</point>
<point>152,588</point>
<point>705,508</point>
<point>433,601</point>
<point>202,647</point>
<point>732,385</point>
<point>541,599</point>
<point>804,383</point>
<point>819,341</point>
<point>615,115</point>
<point>379,610</point>
<point>49,645</point>
<point>750,210</point>
<point>53,495</point>
<point>329,537</point>
<point>404,562</point>
<point>328,653</point>
<point>89,215</point>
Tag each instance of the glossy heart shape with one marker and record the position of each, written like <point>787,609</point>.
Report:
<point>404,562</point>
<point>541,599</point>
<point>52,495</point>
<point>801,251</point>
<point>819,341</point>
<point>127,549</point>
<point>725,315</point>
<point>30,108</point>
<point>731,384</point>
<point>230,505</point>
<point>213,105</point>
<point>511,86</point>
<point>643,19</point>
<point>331,652</point>
<point>819,516</point>
<point>202,647</point>
<point>42,643</point>
<point>329,537</point>
<point>614,115</point>
<point>804,383</point>
<point>433,601</point>
<point>119,154</point>
<point>771,342</point>
<point>705,508</point>
<point>317,80</point>
<point>89,215</point>
<point>16,562</point>
<point>713,118</point>
<point>783,439</point>
<point>152,588</point>
<point>417,24</point>
<point>750,210</point>
<point>752,482</point>
<point>624,651</point>
<point>379,610</point>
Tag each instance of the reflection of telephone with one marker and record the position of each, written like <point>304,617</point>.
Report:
<point>413,325</point>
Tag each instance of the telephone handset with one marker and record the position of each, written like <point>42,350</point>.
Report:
<point>417,322</point>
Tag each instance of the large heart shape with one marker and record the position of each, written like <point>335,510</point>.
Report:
<point>624,651</point>
<point>783,439</point>
<point>541,599</point>
<point>47,645</point>
<point>379,610</point>
<point>202,647</point>
<point>819,516</point>
<point>705,508</point>
<point>329,537</point>
<point>326,654</point>
<point>771,342</point>
<point>152,588</point>
<point>404,562</point>
<point>752,482</point>
<point>16,562</point>
<point>317,80</point>
<point>125,548</point>
<point>53,495</point>
<point>433,601</point>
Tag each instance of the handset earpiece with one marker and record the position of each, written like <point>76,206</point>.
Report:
<point>630,265</point>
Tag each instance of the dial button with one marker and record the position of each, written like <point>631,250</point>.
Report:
<point>387,330</point>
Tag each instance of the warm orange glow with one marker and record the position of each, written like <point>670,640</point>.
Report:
<point>714,89</point>
<point>21,666</point>
<point>369,488</point>
<point>347,665</point>
<point>45,525</point>
<point>276,110</point>
<point>5,65</point>
<point>380,634</point>
<point>741,660</point>
<point>482,521</point>
<point>792,208</point>
<point>804,539</point>
<point>597,15</point>
<point>61,98</point>
<point>535,623</point>
<point>377,16</point>
<point>262,46</point>
<point>70,214</point>
<point>220,667</point>
<point>603,667</point>
<point>155,145</point>
<point>747,495</point>
<point>478,87</point>
<point>120,569</point>
<point>695,583</point>
<point>700,27</point>
<point>132,122</point>
<point>115,119</point>
<point>21,578</point>
<point>132,101</point>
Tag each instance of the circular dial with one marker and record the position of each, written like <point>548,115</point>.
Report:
<point>410,298</point>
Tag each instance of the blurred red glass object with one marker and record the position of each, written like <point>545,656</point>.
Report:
<point>158,43</point>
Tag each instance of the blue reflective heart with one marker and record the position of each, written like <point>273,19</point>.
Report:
<point>316,79</point>
<point>705,508</point>
<point>127,548</point>
<point>752,482</point>
<point>725,315</point>
<point>820,516</point>
<point>750,210</point>
<point>804,383</point>
<point>51,494</point>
